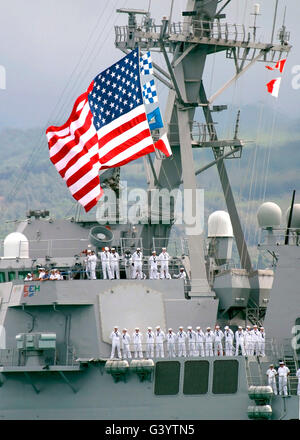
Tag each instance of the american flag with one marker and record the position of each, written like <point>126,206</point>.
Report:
<point>107,128</point>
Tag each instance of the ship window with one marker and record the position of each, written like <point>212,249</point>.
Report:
<point>196,377</point>
<point>22,275</point>
<point>11,276</point>
<point>167,378</point>
<point>2,277</point>
<point>225,379</point>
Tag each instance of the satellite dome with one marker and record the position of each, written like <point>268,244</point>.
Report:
<point>269,215</point>
<point>295,217</point>
<point>16,246</point>
<point>219,225</point>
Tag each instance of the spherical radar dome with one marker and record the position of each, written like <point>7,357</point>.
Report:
<point>295,217</point>
<point>16,246</point>
<point>219,225</point>
<point>269,215</point>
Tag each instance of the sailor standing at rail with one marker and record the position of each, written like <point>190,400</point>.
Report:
<point>239,341</point>
<point>126,344</point>
<point>283,373</point>
<point>153,261</point>
<point>137,259</point>
<point>92,261</point>
<point>218,336</point>
<point>272,373</point>
<point>256,338</point>
<point>262,342</point>
<point>114,264</point>
<point>159,340</point>
<point>86,263</point>
<point>191,338</point>
<point>229,336</point>
<point>149,343</point>
<point>209,339</point>
<point>248,341</point>
<point>181,337</point>
<point>199,342</point>
<point>164,258</point>
<point>171,339</point>
<point>116,339</point>
<point>128,264</point>
<point>105,260</point>
<point>137,343</point>
<point>298,375</point>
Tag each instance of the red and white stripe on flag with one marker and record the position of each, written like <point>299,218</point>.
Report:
<point>273,87</point>
<point>163,145</point>
<point>279,65</point>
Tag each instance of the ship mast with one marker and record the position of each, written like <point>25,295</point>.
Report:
<point>202,32</point>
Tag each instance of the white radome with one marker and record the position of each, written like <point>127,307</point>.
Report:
<point>219,225</point>
<point>296,216</point>
<point>16,246</point>
<point>269,215</point>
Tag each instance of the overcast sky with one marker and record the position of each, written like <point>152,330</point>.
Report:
<point>51,50</point>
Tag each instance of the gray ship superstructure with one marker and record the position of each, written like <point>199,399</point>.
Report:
<point>55,339</point>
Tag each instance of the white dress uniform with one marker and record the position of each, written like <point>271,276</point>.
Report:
<point>181,337</point>
<point>87,267</point>
<point>114,265</point>
<point>159,341</point>
<point>181,275</point>
<point>239,342</point>
<point>256,338</point>
<point>137,344</point>
<point>164,258</point>
<point>262,343</point>
<point>149,344</point>
<point>153,261</point>
<point>28,277</point>
<point>171,339</point>
<point>137,259</point>
<point>116,338</point>
<point>200,343</point>
<point>209,339</point>
<point>191,339</point>
<point>282,379</point>
<point>128,265</point>
<point>229,336</point>
<point>218,336</point>
<point>126,345</point>
<point>298,375</point>
<point>92,260</point>
<point>271,373</point>
<point>105,261</point>
<point>248,340</point>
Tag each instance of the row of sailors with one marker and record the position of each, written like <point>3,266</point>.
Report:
<point>199,343</point>
<point>110,261</point>
<point>44,275</point>
<point>283,372</point>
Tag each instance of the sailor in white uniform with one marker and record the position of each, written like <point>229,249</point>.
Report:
<point>159,342</point>
<point>153,261</point>
<point>239,341</point>
<point>105,260</point>
<point>128,264</point>
<point>126,344</point>
<point>181,275</point>
<point>42,273</point>
<point>209,339</point>
<point>181,337</point>
<point>87,264</point>
<point>272,373</point>
<point>199,342</point>
<point>229,336</point>
<point>171,339</point>
<point>218,336</point>
<point>92,261</point>
<point>137,343</point>
<point>248,341</point>
<point>298,375</point>
<point>256,338</point>
<point>116,339</point>
<point>137,259</point>
<point>29,277</point>
<point>149,343</point>
<point>283,373</point>
<point>114,264</point>
<point>191,338</point>
<point>262,342</point>
<point>164,258</point>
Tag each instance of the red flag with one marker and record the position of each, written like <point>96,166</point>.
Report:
<point>163,145</point>
<point>273,87</point>
<point>279,65</point>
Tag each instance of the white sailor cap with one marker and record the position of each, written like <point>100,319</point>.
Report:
<point>113,249</point>
<point>189,327</point>
<point>198,328</point>
<point>88,251</point>
<point>248,326</point>
<point>271,365</point>
<point>163,249</point>
<point>240,327</point>
<point>158,326</point>
<point>138,249</point>
<point>153,252</point>
<point>169,329</point>
<point>261,328</point>
<point>149,328</point>
<point>255,325</point>
<point>182,268</point>
<point>124,329</point>
<point>226,327</point>
<point>281,362</point>
<point>106,248</point>
<point>207,328</point>
<point>181,326</point>
<point>116,326</point>
<point>41,268</point>
<point>217,326</point>
<point>29,273</point>
<point>136,328</point>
